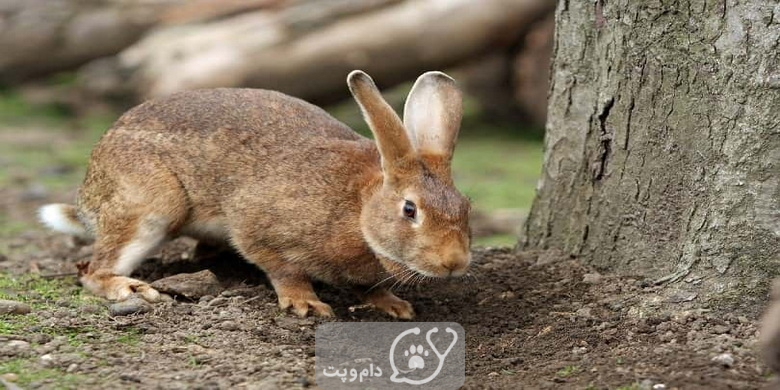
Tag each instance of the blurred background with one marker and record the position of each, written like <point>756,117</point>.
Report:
<point>69,68</point>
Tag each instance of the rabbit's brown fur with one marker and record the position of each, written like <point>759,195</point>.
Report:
<point>292,189</point>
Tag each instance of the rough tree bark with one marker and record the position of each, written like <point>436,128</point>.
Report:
<point>663,142</point>
<point>307,53</point>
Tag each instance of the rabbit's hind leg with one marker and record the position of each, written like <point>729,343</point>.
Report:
<point>118,252</point>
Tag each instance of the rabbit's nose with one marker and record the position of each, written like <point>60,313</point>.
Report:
<point>457,263</point>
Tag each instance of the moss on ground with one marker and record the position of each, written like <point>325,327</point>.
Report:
<point>30,373</point>
<point>43,295</point>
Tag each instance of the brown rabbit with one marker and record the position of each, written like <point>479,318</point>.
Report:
<point>292,189</point>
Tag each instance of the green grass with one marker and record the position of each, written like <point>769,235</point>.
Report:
<point>130,337</point>
<point>37,139</point>
<point>14,110</point>
<point>42,294</point>
<point>497,173</point>
<point>30,288</point>
<point>29,372</point>
<point>17,324</point>
<point>568,371</point>
<point>496,240</point>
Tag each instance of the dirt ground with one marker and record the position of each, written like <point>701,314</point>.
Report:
<point>532,320</point>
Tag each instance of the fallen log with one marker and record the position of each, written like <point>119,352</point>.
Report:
<point>38,37</point>
<point>309,56</point>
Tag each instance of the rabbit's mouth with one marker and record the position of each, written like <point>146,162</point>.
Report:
<point>438,270</point>
<point>450,265</point>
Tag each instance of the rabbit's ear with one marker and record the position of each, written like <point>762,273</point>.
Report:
<point>391,138</point>
<point>432,114</point>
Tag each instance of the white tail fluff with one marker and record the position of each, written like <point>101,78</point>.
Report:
<point>62,218</point>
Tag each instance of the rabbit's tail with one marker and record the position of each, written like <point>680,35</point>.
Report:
<point>62,218</point>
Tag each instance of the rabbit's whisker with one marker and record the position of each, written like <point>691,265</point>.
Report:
<point>400,277</point>
<point>380,282</point>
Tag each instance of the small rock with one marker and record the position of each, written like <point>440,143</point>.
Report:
<point>584,312</point>
<point>211,385</point>
<point>514,360</point>
<point>40,338</point>
<point>129,378</point>
<point>191,286</point>
<point>66,359</point>
<point>659,386</point>
<point>63,303</point>
<point>239,292</point>
<point>13,307</point>
<point>10,376</point>
<point>508,295</point>
<point>15,347</point>
<point>666,337</point>
<point>46,360</point>
<point>304,381</point>
<point>644,328</point>
<point>204,300</point>
<point>720,329</point>
<point>579,350</point>
<point>683,296</point>
<point>228,325</point>
<point>267,384</point>
<point>218,301</point>
<point>291,323</point>
<point>90,309</point>
<point>72,368</point>
<point>725,360</point>
<point>132,305</point>
<point>592,278</point>
<point>59,341</point>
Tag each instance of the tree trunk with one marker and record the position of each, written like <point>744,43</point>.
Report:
<point>308,53</point>
<point>663,142</point>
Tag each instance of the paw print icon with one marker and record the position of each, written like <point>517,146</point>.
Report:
<point>416,355</point>
<point>416,361</point>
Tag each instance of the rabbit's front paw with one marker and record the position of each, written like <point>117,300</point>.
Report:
<point>301,306</point>
<point>387,302</point>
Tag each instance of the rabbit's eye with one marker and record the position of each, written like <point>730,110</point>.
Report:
<point>410,210</point>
